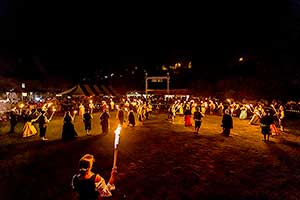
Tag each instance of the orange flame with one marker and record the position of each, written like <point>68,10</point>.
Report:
<point>117,135</point>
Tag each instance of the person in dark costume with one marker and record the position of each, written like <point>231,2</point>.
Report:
<point>265,124</point>
<point>131,118</point>
<point>13,120</point>
<point>227,123</point>
<point>120,115</point>
<point>87,120</point>
<point>43,124</point>
<point>69,131</point>
<point>198,120</point>
<point>104,121</point>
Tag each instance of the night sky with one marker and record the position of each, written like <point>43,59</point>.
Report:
<point>63,36</point>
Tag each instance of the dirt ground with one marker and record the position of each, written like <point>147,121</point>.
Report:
<point>158,160</point>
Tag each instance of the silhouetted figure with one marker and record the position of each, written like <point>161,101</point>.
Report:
<point>68,132</point>
<point>13,120</point>
<point>87,120</point>
<point>43,123</point>
<point>104,121</point>
<point>131,118</point>
<point>120,116</point>
<point>198,120</point>
<point>265,124</point>
<point>227,123</point>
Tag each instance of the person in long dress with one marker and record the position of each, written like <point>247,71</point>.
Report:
<point>187,117</point>
<point>13,119</point>
<point>29,129</point>
<point>69,131</point>
<point>227,123</point>
<point>243,114</point>
<point>120,116</point>
<point>131,118</point>
<point>81,110</point>
<point>104,121</point>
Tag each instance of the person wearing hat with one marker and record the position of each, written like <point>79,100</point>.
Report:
<point>90,185</point>
<point>227,123</point>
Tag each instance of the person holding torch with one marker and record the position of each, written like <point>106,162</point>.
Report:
<point>90,185</point>
<point>117,132</point>
<point>43,123</point>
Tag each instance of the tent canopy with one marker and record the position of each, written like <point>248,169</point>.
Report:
<point>89,90</point>
<point>78,90</point>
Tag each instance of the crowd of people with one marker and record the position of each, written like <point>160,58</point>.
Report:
<point>89,185</point>
<point>191,108</point>
<point>270,116</point>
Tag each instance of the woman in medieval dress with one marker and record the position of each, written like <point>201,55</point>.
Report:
<point>29,129</point>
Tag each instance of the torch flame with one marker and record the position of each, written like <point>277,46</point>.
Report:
<point>117,135</point>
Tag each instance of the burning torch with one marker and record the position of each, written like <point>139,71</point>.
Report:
<point>116,144</point>
<point>74,114</point>
<point>53,111</point>
<point>116,147</point>
<point>274,108</point>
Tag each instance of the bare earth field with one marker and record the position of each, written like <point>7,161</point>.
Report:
<point>158,160</point>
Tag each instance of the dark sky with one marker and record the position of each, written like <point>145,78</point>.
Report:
<point>87,35</point>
